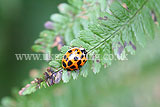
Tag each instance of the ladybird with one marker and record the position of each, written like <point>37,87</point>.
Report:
<point>74,59</point>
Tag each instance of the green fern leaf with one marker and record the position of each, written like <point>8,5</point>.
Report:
<point>66,76</point>
<point>109,34</point>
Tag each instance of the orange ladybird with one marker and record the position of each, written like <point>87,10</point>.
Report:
<point>74,59</point>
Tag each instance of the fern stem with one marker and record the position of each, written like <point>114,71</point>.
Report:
<point>111,35</point>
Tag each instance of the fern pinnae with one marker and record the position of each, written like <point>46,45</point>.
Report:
<point>114,33</point>
<point>98,36</point>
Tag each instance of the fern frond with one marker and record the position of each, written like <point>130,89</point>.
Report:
<point>102,34</point>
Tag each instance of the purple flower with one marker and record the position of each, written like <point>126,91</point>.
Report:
<point>133,46</point>
<point>125,44</point>
<point>48,25</point>
<point>58,77</point>
<point>103,18</point>
<point>120,49</point>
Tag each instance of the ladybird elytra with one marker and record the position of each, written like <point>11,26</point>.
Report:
<point>74,59</point>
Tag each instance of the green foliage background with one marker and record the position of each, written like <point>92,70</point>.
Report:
<point>132,83</point>
<point>20,24</point>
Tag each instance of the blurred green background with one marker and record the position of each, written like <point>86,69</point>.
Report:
<point>132,83</point>
<point>21,21</point>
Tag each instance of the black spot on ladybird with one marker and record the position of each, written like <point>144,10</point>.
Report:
<point>82,51</point>
<point>79,62</point>
<point>65,56</point>
<point>69,51</point>
<point>69,63</point>
<point>72,67</point>
<point>64,64</point>
<point>75,58</point>
<point>68,69</point>
<point>82,56</point>
<point>78,52</point>
<point>67,59</point>
<point>79,66</point>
